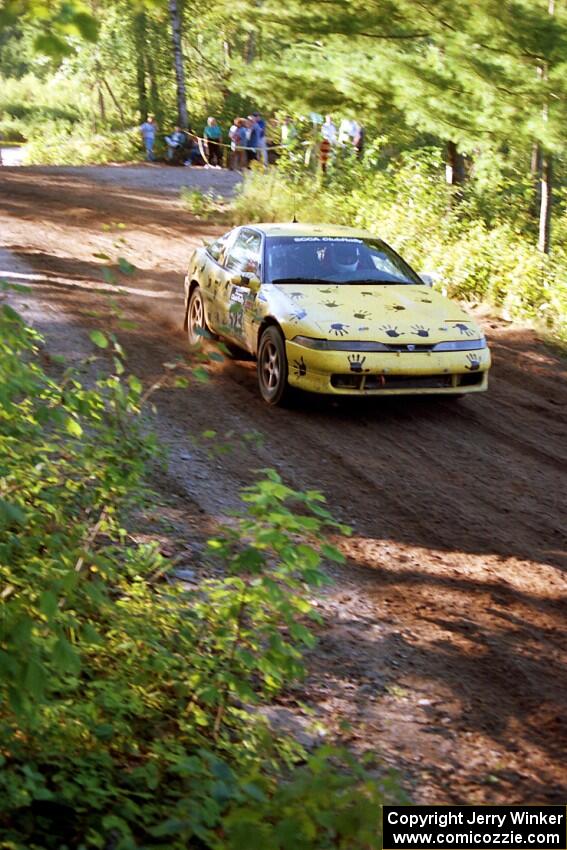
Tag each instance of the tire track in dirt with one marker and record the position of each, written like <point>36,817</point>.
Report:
<point>397,455</point>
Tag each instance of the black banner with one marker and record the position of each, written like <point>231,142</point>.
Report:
<point>474,827</point>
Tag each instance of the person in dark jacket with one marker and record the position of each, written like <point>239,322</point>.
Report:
<point>253,139</point>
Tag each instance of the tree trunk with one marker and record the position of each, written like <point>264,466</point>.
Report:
<point>100,94</point>
<point>155,102</point>
<point>140,46</point>
<point>250,49</point>
<point>115,101</point>
<point>175,19</point>
<point>535,173</point>
<point>544,240</point>
<point>101,106</point>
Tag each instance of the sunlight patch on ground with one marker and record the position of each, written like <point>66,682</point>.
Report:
<point>97,285</point>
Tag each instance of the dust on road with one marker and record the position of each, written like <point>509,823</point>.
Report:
<point>444,641</point>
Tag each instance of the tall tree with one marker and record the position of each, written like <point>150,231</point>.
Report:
<point>139,28</point>
<point>176,37</point>
<point>546,197</point>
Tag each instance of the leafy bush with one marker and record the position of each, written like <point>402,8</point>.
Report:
<point>64,98</point>
<point>27,103</point>
<point>127,703</point>
<point>12,130</point>
<point>203,205</point>
<point>55,143</point>
<point>408,204</point>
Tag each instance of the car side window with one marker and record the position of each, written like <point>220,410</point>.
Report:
<point>244,256</point>
<point>217,250</point>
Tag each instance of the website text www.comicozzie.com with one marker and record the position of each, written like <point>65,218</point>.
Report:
<point>464,827</point>
<point>477,839</point>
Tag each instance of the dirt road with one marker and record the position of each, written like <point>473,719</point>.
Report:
<point>445,635</point>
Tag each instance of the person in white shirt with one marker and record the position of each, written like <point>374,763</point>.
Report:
<point>329,130</point>
<point>233,161</point>
<point>347,131</point>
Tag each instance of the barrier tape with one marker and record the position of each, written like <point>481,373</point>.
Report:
<point>201,139</point>
<point>241,147</point>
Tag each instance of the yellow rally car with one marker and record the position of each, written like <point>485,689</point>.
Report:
<point>331,310</point>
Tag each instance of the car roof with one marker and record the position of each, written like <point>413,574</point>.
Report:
<point>300,229</point>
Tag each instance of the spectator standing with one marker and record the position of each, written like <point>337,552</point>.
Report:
<point>358,140</point>
<point>252,140</point>
<point>347,131</point>
<point>149,131</point>
<point>232,136</point>
<point>238,140</point>
<point>325,149</point>
<point>329,130</point>
<point>213,135</point>
<point>262,141</point>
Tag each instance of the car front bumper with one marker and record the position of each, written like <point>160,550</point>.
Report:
<point>388,373</point>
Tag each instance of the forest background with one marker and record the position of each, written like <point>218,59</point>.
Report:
<point>463,105</point>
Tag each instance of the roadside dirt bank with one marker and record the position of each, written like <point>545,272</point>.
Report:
<point>445,640</point>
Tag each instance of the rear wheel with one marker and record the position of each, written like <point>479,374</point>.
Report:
<point>272,367</point>
<point>196,324</point>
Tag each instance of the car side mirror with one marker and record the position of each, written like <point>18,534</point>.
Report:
<point>252,283</point>
<point>427,278</point>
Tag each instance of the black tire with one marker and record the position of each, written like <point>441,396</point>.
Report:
<point>196,319</point>
<point>272,367</point>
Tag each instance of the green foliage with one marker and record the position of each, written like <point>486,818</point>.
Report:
<point>463,71</point>
<point>475,246</point>
<point>54,143</point>
<point>56,121</point>
<point>55,25</point>
<point>128,704</point>
<point>27,104</point>
<point>203,205</point>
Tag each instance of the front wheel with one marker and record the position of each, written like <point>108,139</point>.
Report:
<point>196,324</point>
<point>272,367</point>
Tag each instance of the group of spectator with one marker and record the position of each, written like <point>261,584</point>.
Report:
<point>350,132</point>
<point>247,141</point>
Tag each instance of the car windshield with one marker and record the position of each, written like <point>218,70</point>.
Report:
<point>334,259</point>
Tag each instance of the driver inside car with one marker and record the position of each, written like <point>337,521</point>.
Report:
<point>342,258</point>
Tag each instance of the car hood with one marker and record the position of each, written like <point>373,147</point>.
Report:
<point>370,311</point>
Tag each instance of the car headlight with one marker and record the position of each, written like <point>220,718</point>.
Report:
<point>461,345</point>
<point>363,345</point>
<point>339,345</point>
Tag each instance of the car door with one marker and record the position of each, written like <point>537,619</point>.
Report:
<point>243,261</point>
<point>214,280</point>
